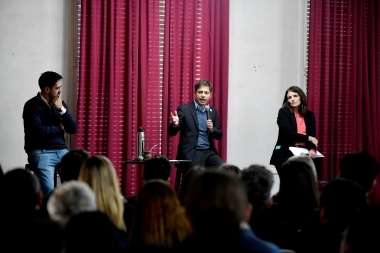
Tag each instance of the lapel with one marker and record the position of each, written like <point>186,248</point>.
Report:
<point>194,114</point>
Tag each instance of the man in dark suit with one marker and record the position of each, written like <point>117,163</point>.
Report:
<point>198,124</point>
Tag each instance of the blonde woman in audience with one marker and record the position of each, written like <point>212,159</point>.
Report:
<point>99,173</point>
<point>160,222</point>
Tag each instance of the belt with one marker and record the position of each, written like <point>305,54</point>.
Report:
<point>203,149</point>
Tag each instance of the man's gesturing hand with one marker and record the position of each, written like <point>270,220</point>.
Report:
<point>175,118</point>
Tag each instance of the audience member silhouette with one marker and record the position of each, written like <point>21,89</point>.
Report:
<point>296,204</point>
<point>160,222</point>
<point>230,168</point>
<point>258,182</point>
<point>21,225</point>
<point>363,232</point>
<point>94,232</point>
<point>70,198</point>
<point>158,167</point>
<point>186,181</point>
<point>360,167</point>
<point>71,163</point>
<point>218,209</point>
<point>21,196</point>
<point>99,173</point>
<point>340,203</point>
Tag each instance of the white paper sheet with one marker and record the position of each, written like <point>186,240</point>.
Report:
<point>303,151</point>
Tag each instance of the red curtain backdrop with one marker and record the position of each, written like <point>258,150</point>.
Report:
<point>199,51</point>
<point>343,79</point>
<point>138,61</point>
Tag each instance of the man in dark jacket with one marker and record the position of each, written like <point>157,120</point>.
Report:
<point>198,125</point>
<point>46,119</point>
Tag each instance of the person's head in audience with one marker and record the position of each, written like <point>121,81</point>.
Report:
<point>298,193</point>
<point>159,219</point>
<point>69,199</point>
<point>186,180</point>
<point>341,200</point>
<point>158,167</point>
<point>99,173</point>
<point>71,163</point>
<point>258,182</point>
<point>360,167</point>
<point>21,226</point>
<point>307,160</point>
<point>21,194</point>
<point>230,168</point>
<point>216,203</point>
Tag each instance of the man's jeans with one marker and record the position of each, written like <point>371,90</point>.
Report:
<point>43,163</point>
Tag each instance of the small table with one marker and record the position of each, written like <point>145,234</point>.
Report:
<point>178,174</point>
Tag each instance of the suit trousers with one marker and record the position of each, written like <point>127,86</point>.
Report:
<point>206,158</point>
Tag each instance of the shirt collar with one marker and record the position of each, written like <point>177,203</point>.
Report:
<point>197,107</point>
<point>43,99</point>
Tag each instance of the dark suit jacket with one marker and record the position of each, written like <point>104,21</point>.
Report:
<point>288,136</point>
<point>189,129</point>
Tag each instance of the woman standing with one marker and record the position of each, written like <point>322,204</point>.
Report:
<point>296,127</point>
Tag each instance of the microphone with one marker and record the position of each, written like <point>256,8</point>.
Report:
<point>207,107</point>
<point>137,159</point>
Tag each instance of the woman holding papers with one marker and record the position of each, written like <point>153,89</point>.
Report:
<point>296,127</point>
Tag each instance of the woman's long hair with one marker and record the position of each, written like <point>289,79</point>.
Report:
<point>298,194</point>
<point>99,173</point>
<point>159,220</point>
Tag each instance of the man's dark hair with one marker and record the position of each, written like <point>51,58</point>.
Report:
<point>203,82</point>
<point>158,167</point>
<point>22,188</point>
<point>360,167</point>
<point>71,163</point>
<point>48,79</point>
<point>258,182</point>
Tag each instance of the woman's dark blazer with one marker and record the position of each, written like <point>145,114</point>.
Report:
<point>288,136</point>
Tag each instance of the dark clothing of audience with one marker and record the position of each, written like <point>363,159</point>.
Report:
<point>262,223</point>
<point>128,214</point>
<point>94,232</point>
<point>19,234</point>
<point>318,237</point>
<point>286,228</point>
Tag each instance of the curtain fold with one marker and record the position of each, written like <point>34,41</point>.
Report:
<point>101,80</point>
<point>343,79</point>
